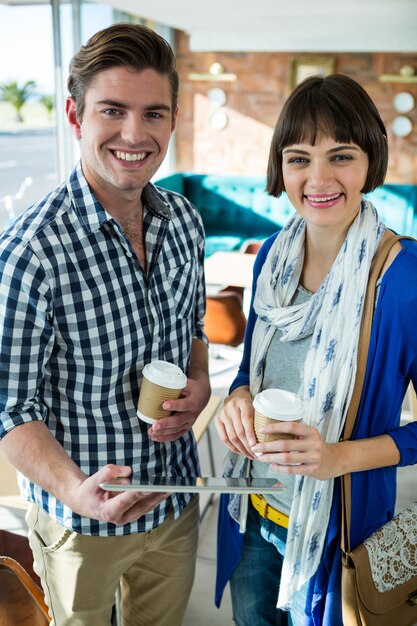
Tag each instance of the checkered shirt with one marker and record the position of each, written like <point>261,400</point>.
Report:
<point>79,320</point>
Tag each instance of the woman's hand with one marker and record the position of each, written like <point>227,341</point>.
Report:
<point>306,454</point>
<point>309,455</point>
<point>234,423</point>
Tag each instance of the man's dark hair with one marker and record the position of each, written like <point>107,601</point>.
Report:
<point>121,45</point>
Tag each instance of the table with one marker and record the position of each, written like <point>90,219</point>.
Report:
<point>229,268</point>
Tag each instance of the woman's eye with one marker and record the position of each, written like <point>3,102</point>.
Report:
<point>297,160</point>
<point>343,157</point>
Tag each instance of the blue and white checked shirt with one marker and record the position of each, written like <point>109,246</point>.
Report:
<point>79,320</point>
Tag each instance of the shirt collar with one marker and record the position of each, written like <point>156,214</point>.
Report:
<point>156,203</point>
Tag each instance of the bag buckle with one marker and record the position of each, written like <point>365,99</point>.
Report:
<point>412,599</point>
<point>347,560</point>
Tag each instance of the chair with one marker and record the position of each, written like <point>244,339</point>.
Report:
<point>16,546</point>
<point>21,600</point>
<point>202,427</point>
<point>251,246</point>
<point>225,321</point>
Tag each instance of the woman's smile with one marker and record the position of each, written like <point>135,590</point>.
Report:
<point>323,200</point>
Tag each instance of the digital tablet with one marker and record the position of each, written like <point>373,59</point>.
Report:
<point>200,484</point>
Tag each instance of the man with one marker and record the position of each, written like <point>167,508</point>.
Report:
<point>99,278</point>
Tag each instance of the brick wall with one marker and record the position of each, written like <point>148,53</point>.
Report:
<point>255,99</point>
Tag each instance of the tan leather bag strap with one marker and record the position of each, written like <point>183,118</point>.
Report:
<point>387,242</point>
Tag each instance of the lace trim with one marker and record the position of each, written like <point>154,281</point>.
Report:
<point>392,551</point>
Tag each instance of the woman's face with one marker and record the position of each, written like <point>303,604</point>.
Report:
<point>323,182</point>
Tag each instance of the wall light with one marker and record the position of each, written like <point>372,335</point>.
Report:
<point>219,120</point>
<point>403,102</point>
<point>407,75</point>
<point>401,126</point>
<point>217,96</point>
<point>216,73</point>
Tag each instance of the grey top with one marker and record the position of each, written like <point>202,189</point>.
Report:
<point>283,369</point>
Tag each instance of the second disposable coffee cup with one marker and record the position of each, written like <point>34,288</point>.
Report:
<point>276,405</point>
<point>161,381</point>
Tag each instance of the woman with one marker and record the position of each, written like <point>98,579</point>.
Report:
<point>329,148</point>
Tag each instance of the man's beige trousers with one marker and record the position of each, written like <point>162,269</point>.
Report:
<point>80,574</point>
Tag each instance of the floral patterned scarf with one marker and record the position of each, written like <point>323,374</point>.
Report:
<point>332,317</point>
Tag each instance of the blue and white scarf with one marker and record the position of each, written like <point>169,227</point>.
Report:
<point>332,317</point>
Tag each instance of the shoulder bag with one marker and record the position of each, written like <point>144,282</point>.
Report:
<point>379,576</point>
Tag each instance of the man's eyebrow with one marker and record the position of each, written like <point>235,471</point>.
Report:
<point>158,106</point>
<point>111,103</point>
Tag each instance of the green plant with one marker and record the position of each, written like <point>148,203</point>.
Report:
<point>17,95</point>
<point>48,102</point>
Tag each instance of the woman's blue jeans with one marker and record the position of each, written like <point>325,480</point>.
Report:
<point>255,582</point>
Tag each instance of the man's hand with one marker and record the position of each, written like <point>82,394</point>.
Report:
<point>90,500</point>
<point>33,450</point>
<point>185,411</point>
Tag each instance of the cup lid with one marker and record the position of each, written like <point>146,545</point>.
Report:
<point>165,374</point>
<point>279,404</point>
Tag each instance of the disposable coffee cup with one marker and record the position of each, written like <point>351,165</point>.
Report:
<point>161,381</point>
<point>276,405</point>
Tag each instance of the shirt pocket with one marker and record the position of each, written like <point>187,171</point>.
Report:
<point>183,285</point>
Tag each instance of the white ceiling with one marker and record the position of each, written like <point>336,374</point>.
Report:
<point>282,25</point>
<point>285,25</point>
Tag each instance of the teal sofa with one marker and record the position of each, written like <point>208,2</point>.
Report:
<point>235,209</point>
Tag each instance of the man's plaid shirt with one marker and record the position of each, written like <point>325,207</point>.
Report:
<point>79,320</point>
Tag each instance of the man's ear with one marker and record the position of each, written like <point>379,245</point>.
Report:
<point>71,111</point>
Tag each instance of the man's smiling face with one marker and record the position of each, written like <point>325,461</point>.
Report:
<point>125,130</point>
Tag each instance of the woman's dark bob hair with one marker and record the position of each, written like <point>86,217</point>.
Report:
<point>333,106</point>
